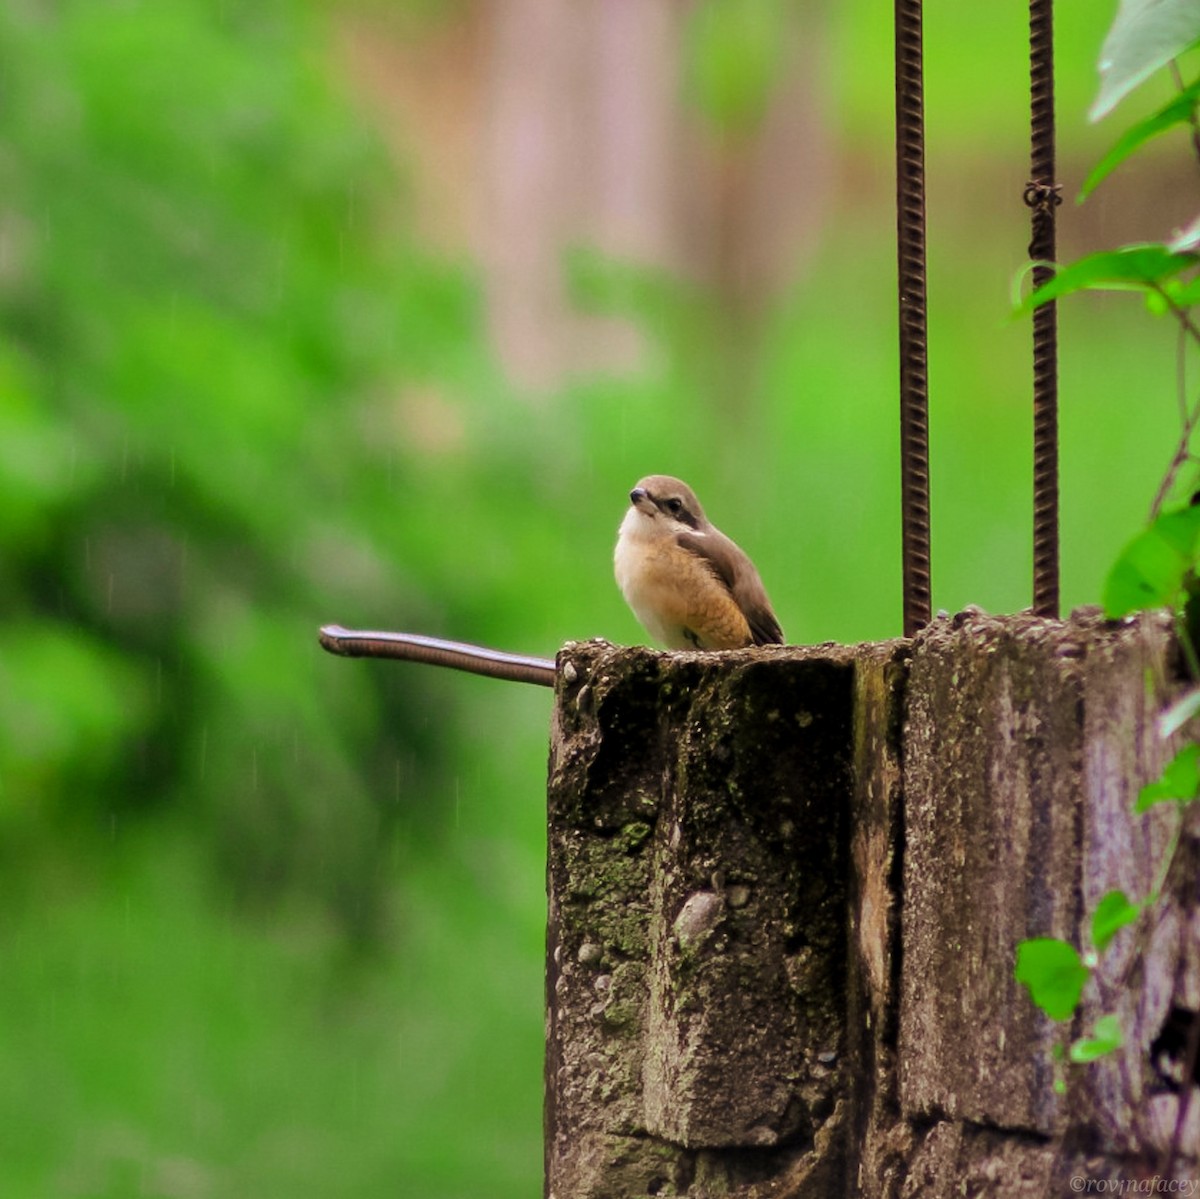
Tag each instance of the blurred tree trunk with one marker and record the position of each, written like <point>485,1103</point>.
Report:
<point>565,124</point>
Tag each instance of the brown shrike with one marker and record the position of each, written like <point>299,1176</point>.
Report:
<point>689,585</point>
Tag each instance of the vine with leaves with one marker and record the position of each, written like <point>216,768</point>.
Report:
<point>1158,568</point>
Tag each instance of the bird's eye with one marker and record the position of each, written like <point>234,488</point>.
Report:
<point>675,506</point>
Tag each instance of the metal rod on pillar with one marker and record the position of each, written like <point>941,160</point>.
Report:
<point>914,385</point>
<point>1042,195</point>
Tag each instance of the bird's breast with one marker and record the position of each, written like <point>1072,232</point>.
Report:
<point>676,595</point>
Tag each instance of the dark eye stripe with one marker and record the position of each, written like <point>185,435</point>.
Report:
<point>674,507</point>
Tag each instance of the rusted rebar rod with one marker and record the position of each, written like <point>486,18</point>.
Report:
<point>1042,196</point>
<point>914,384</point>
<point>475,659</point>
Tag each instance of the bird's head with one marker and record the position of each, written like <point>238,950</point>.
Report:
<point>665,502</point>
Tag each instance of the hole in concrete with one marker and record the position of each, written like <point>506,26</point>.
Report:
<point>795,943</point>
<point>1169,1050</point>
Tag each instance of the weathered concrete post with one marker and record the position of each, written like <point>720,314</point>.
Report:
<point>1026,744</point>
<point>785,890</point>
<point>699,885</point>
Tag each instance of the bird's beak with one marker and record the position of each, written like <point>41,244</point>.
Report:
<point>639,497</point>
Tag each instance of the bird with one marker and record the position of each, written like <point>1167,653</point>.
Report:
<point>689,585</point>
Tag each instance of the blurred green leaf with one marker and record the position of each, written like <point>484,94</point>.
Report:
<point>665,308</point>
<point>1150,570</point>
<point>67,703</point>
<point>1053,973</point>
<point>1131,268</point>
<point>1179,110</point>
<point>217,318</point>
<point>1112,914</point>
<point>734,58</point>
<point>1178,293</point>
<point>40,467</point>
<point>1180,781</point>
<point>1145,35</point>
<point>1106,1037</point>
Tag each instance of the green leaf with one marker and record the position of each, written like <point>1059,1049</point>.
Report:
<point>1150,570</point>
<point>1179,713</point>
<point>1146,35</point>
<point>1180,780</point>
<point>734,52</point>
<point>1131,268</point>
<point>1052,971</point>
<point>1176,293</point>
<point>1177,112</point>
<point>1112,914</point>
<point>1106,1036</point>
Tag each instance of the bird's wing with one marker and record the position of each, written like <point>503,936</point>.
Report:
<point>730,564</point>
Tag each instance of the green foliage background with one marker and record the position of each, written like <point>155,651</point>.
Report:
<point>272,922</point>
